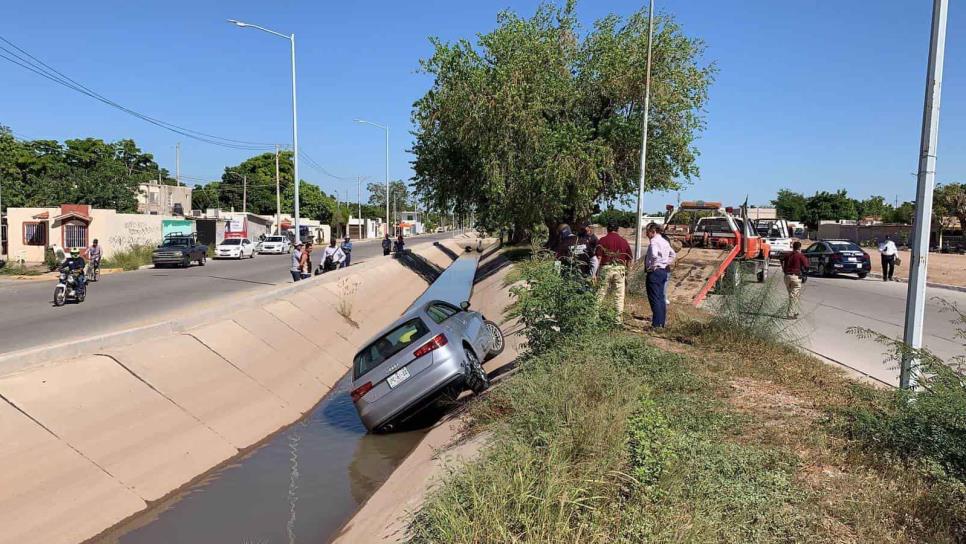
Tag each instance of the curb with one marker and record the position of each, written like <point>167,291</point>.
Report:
<point>928,283</point>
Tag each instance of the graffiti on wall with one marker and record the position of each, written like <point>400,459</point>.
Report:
<point>136,233</point>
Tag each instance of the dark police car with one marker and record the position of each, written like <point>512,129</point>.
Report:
<point>830,257</point>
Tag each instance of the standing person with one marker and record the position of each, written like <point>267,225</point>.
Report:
<point>614,253</point>
<point>332,257</point>
<point>305,262</point>
<point>386,245</point>
<point>587,250</point>
<point>670,266</point>
<point>656,261</point>
<point>398,245</point>
<point>296,269</point>
<point>347,249</point>
<point>888,252</point>
<point>566,242</point>
<point>794,265</point>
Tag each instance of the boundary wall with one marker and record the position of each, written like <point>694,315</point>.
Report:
<point>92,432</point>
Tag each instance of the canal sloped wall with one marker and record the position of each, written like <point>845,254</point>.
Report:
<point>93,431</point>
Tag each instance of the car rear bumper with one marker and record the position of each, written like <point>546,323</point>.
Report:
<point>852,267</point>
<point>272,250</point>
<point>415,391</point>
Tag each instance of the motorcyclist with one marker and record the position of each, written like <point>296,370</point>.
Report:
<point>75,265</point>
<point>347,249</point>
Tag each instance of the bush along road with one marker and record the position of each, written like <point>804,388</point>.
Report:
<point>709,431</point>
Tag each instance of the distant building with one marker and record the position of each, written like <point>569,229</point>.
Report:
<point>410,223</point>
<point>761,213</point>
<point>33,230</point>
<point>158,199</point>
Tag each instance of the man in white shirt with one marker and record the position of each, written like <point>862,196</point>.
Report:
<point>658,258</point>
<point>332,257</point>
<point>888,251</point>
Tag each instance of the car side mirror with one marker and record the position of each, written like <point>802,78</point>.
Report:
<point>465,305</point>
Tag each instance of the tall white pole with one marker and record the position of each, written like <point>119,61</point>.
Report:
<point>644,124</point>
<point>278,196</point>
<point>177,163</point>
<point>387,178</point>
<point>295,144</point>
<point>916,294</point>
<point>359,199</point>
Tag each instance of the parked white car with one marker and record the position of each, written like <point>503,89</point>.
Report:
<point>235,248</point>
<point>778,235</point>
<point>275,244</point>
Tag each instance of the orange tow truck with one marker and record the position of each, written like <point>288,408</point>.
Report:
<point>709,225</point>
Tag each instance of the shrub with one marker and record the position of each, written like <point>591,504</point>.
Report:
<point>555,303</point>
<point>131,258</point>
<point>50,259</point>
<point>927,424</point>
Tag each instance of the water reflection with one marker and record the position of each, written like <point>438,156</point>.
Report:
<point>300,486</point>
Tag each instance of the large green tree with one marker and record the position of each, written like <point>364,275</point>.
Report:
<point>950,198</point>
<point>539,119</point>
<point>829,206</point>
<point>40,173</point>
<point>398,194</point>
<point>789,205</point>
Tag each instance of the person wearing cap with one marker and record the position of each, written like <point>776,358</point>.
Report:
<point>347,249</point>
<point>296,269</point>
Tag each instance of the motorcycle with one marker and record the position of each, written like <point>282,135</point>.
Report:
<point>68,286</point>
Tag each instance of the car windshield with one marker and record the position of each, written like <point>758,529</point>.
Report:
<point>231,242</point>
<point>170,242</point>
<point>844,246</point>
<point>274,239</point>
<point>388,345</point>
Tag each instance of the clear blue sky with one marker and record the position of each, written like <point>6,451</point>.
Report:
<point>811,95</point>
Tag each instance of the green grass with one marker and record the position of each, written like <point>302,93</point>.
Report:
<point>737,438</point>
<point>131,258</point>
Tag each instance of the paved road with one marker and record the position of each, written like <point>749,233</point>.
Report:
<point>119,301</point>
<point>831,305</point>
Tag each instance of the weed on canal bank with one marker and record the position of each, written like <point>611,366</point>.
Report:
<point>610,435</point>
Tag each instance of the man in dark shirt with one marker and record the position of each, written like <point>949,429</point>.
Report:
<point>614,253</point>
<point>795,265</point>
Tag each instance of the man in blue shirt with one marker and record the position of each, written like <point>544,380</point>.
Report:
<point>347,249</point>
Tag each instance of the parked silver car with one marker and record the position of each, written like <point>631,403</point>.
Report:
<point>434,349</point>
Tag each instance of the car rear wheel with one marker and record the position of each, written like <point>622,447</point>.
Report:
<point>476,378</point>
<point>497,342</point>
<point>829,271</point>
<point>862,275</point>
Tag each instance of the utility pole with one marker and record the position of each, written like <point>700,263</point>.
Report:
<point>278,196</point>
<point>177,163</point>
<point>916,294</point>
<point>644,125</point>
<point>359,200</point>
<point>245,193</point>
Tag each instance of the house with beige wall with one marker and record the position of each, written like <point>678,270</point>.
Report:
<point>32,230</point>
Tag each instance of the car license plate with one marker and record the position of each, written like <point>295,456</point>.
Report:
<point>852,259</point>
<point>398,377</point>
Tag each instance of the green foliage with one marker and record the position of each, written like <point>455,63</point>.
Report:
<point>829,206</point>
<point>46,173</point>
<point>131,258</point>
<point>539,120</point>
<point>928,424</point>
<point>950,199</point>
<point>51,262</point>
<point>554,303</point>
<point>398,195</point>
<point>621,218</point>
<point>790,205</point>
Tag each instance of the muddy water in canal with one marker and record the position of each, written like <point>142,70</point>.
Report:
<point>300,486</point>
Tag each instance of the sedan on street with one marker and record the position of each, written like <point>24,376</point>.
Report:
<point>433,350</point>
<point>830,257</point>
<point>235,248</point>
<point>275,244</point>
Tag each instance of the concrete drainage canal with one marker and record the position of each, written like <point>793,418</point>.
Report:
<point>304,483</point>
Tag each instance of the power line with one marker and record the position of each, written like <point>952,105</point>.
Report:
<point>42,69</point>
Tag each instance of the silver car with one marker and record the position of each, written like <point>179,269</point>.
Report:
<point>434,349</point>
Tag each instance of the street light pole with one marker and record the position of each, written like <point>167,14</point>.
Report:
<point>385,128</point>
<point>278,196</point>
<point>295,117</point>
<point>916,293</point>
<point>644,124</point>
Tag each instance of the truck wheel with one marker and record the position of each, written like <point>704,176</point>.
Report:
<point>763,272</point>
<point>185,262</point>
<point>201,261</point>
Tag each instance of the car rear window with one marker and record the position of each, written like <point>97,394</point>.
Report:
<point>274,239</point>
<point>176,242</point>
<point>231,242</point>
<point>844,246</point>
<point>388,345</point>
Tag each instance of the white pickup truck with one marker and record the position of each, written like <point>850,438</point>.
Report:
<point>778,235</point>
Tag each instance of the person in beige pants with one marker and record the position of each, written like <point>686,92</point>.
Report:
<point>614,253</point>
<point>794,266</point>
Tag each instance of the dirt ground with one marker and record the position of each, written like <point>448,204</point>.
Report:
<point>944,268</point>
